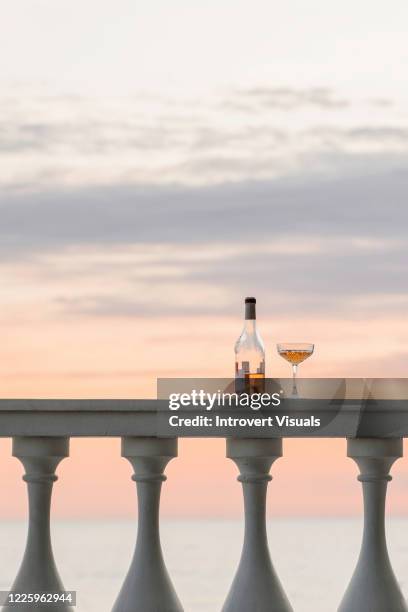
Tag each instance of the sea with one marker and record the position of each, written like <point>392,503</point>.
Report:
<point>314,558</point>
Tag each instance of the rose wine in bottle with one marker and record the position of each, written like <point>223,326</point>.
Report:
<point>250,353</point>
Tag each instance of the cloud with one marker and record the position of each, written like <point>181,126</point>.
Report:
<point>309,216</point>
<point>351,285</point>
<point>286,98</point>
<point>379,135</point>
<point>370,204</point>
<point>69,141</point>
<point>315,245</point>
<point>86,136</point>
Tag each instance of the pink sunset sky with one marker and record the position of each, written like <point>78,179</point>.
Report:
<point>155,168</point>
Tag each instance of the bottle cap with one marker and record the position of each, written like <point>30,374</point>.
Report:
<point>250,300</point>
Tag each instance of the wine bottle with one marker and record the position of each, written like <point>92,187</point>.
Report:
<point>250,353</point>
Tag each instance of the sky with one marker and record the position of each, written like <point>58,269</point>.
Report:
<point>158,162</point>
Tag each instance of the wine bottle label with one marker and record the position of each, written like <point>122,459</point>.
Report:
<point>245,369</point>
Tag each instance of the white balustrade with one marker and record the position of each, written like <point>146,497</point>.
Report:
<point>373,587</point>
<point>256,585</point>
<point>147,586</point>
<point>38,572</point>
<point>41,430</point>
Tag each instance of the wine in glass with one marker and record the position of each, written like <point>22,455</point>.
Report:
<point>295,353</point>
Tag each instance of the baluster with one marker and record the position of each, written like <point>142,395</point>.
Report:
<point>38,572</point>
<point>256,586</point>
<point>147,586</point>
<point>373,587</point>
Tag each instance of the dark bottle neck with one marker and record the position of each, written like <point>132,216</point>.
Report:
<point>250,311</point>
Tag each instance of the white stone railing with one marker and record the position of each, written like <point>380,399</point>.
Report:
<point>41,430</point>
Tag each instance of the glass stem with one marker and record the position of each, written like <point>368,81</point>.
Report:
<point>294,387</point>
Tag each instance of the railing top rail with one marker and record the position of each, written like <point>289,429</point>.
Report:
<point>149,417</point>
<point>81,405</point>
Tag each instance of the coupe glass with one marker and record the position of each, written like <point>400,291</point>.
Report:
<point>295,353</point>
